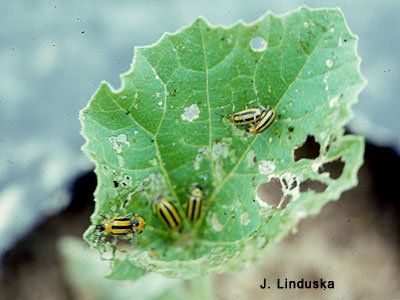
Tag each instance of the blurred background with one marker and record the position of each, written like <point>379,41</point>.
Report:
<point>53,56</point>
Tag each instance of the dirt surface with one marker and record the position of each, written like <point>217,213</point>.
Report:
<point>353,242</point>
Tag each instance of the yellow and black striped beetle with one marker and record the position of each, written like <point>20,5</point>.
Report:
<point>194,204</point>
<point>167,212</point>
<point>247,116</point>
<point>122,225</point>
<point>263,123</point>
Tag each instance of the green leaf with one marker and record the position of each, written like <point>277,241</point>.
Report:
<point>164,131</point>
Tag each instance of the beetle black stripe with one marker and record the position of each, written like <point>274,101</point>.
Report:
<point>196,204</point>
<point>247,119</point>
<point>245,113</point>
<point>165,218</point>
<point>187,209</point>
<point>172,215</point>
<point>193,208</point>
<point>121,227</point>
<point>240,117</point>
<point>263,122</point>
<point>121,219</point>
<point>198,208</point>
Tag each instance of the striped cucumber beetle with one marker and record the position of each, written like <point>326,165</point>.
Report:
<point>167,212</point>
<point>116,226</point>
<point>194,204</point>
<point>122,225</point>
<point>263,123</point>
<point>247,116</point>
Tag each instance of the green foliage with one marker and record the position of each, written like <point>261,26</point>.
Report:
<point>164,131</point>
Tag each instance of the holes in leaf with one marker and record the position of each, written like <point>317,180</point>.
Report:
<point>327,148</point>
<point>289,185</point>
<point>332,141</point>
<point>334,168</point>
<point>309,150</point>
<point>270,192</point>
<point>315,185</point>
<point>285,202</point>
<point>258,44</point>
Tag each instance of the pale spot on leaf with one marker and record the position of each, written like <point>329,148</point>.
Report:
<point>190,113</point>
